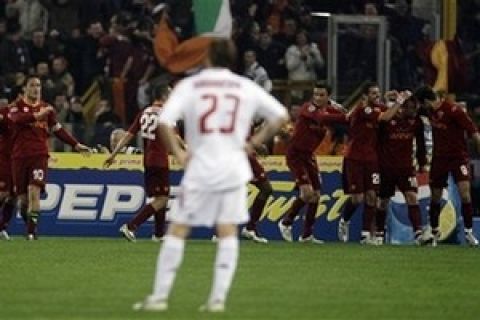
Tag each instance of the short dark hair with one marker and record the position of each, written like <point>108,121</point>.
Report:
<point>222,53</point>
<point>30,77</point>
<point>368,85</point>
<point>425,93</point>
<point>323,85</point>
<point>160,91</point>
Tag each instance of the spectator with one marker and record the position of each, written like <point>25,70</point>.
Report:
<point>271,55</point>
<point>91,62</point>
<point>62,79</point>
<point>119,51</point>
<point>255,71</point>
<point>48,87</point>
<point>288,36</point>
<point>14,55</point>
<point>31,15</point>
<point>63,14</point>
<point>75,117</point>
<point>105,122</point>
<point>38,49</point>
<point>303,59</point>
<point>3,29</point>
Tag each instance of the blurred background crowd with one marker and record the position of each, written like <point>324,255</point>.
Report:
<point>96,60</point>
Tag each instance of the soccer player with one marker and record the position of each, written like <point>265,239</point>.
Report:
<point>310,129</point>
<point>7,205</point>
<point>31,121</point>
<point>155,161</point>
<point>449,124</point>
<point>360,165</point>
<point>217,107</point>
<point>396,146</point>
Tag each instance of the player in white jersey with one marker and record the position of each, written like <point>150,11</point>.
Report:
<point>217,107</point>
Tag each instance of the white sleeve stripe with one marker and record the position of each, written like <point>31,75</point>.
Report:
<point>57,126</point>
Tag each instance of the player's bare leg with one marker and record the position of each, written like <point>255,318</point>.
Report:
<point>467,212</point>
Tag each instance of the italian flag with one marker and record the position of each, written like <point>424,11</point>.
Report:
<point>213,19</point>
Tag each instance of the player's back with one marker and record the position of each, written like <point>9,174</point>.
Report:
<point>146,123</point>
<point>218,108</point>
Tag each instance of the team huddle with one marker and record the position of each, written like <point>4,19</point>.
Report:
<point>219,156</point>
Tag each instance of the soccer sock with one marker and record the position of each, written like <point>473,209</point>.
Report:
<point>169,259</point>
<point>159,218</point>
<point>368,216</point>
<point>434,214</point>
<point>309,219</point>
<point>142,216</point>
<point>380,221</point>
<point>467,212</point>
<point>32,221</point>
<point>293,212</point>
<point>7,213</point>
<point>348,210</point>
<point>256,212</point>
<point>24,213</point>
<point>225,266</point>
<point>414,216</point>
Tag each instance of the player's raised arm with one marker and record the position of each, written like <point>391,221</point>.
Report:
<point>399,100</point>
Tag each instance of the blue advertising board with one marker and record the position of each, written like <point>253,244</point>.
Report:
<point>83,199</point>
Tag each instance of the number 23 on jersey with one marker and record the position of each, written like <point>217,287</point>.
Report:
<point>227,125</point>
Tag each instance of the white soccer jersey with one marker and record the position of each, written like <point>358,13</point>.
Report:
<point>217,107</point>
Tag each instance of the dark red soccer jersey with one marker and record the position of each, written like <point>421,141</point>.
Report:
<point>311,127</point>
<point>29,136</point>
<point>396,142</point>
<point>146,123</point>
<point>363,136</point>
<point>5,143</point>
<point>449,125</point>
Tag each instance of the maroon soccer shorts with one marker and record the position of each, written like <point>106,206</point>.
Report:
<point>29,171</point>
<point>360,176</point>
<point>259,175</point>
<point>441,167</point>
<point>304,169</point>
<point>6,183</point>
<point>156,181</point>
<point>405,179</point>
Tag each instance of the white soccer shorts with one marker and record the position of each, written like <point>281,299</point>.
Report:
<point>199,208</point>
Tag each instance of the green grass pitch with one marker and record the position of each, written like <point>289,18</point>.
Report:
<point>85,278</point>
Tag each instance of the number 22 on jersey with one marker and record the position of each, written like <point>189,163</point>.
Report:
<point>148,125</point>
<point>231,103</point>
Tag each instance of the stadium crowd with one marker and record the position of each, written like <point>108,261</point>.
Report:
<point>72,44</point>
